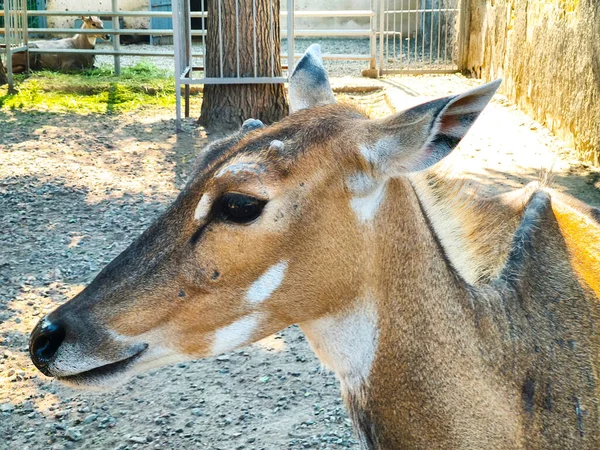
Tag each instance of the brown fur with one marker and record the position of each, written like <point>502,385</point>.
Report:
<point>505,359</point>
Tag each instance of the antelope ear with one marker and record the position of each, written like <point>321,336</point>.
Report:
<point>309,84</point>
<point>419,137</point>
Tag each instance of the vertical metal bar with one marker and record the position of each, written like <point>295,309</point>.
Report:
<point>423,12</point>
<point>417,32</point>
<point>439,33</point>
<point>386,32</point>
<point>116,37</point>
<point>187,22</point>
<point>446,37</point>
<point>431,36</point>
<point>254,31</point>
<point>7,39</point>
<point>373,36</point>
<point>221,37</point>
<point>408,34</point>
<point>203,36</point>
<point>381,35</point>
<point>188,35</point>
<point>401,27</point>
<point>394,31</point>
<point>290,37</point>
<point>271,37</point>
<point>237,38</point>
<point>177,43</point>
<point>25,34</point>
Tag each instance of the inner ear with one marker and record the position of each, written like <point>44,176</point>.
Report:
<point>419,137</point>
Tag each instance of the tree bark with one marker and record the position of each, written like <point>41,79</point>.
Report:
<point>227,106</point>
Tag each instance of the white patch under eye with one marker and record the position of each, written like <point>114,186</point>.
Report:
<point>238,333</point>
<point>203,207</point>
<point>267,283</point>
<point>366,206</point>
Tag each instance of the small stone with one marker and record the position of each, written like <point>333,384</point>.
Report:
<point>27,406</point>
<point>89,419</point>
<point>196,411</point>
<point>7,407</point>
<point>73,434</point>
<point>137,439</point>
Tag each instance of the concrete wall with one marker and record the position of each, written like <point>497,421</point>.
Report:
<point>548,52</point>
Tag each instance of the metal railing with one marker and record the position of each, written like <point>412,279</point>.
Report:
<point>115,14</point>
<point>421,36</point>
<point>15,23</point>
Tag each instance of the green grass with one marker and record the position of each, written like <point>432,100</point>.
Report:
<point>96,91</point>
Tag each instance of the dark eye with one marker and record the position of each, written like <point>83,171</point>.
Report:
<point>239,208</point>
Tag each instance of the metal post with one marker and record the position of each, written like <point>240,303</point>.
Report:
<point>8,40</point>
<point>372,36</point>
<point>177,44</point>
<point>116,37</point>
<point>381,34</point>
<point>290,37</point>
<point>187,27</point>
<point>25,34</point>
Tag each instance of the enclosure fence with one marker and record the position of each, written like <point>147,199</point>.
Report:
<point>412,36</point>
<point>422,36</point>
<point>15,26</point>
<point>18,35</point>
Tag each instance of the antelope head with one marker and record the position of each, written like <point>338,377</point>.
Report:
<point>94,23</point>
<point>273,228</point>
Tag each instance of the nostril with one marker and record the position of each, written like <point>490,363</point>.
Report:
<point>45,342</point>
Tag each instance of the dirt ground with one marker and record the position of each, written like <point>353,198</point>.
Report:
<point>76,190</point>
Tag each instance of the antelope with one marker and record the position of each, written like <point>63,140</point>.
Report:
<point>63,62</point>
<point>451,321</point>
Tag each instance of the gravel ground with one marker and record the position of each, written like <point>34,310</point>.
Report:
<point>76,190</point>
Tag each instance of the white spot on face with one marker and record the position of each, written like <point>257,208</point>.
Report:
<point>267,283</point>
<point>346,343</point>
<point>368,194</point>
<point>203,207</point>
<point>238,333</point>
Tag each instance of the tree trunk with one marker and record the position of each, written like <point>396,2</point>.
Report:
<point>227,106</point>
<point>3,79</point>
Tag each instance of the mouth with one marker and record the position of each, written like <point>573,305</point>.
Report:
<point>94,376</point>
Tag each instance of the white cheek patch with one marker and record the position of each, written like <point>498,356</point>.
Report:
<point>203,208</point>
<point>267,283</point>
<point>368,195</point>
<point>238,333</point>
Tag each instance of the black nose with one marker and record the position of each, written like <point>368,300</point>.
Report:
<point>44,343</point>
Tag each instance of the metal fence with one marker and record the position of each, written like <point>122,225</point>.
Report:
<point>187,73</point>
<point>16,8</point>
<point>414,36</point>
<point>421,36</point>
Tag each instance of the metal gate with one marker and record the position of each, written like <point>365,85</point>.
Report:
<point>421,36</point>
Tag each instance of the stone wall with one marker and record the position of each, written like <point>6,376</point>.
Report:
<point>548,53</point>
